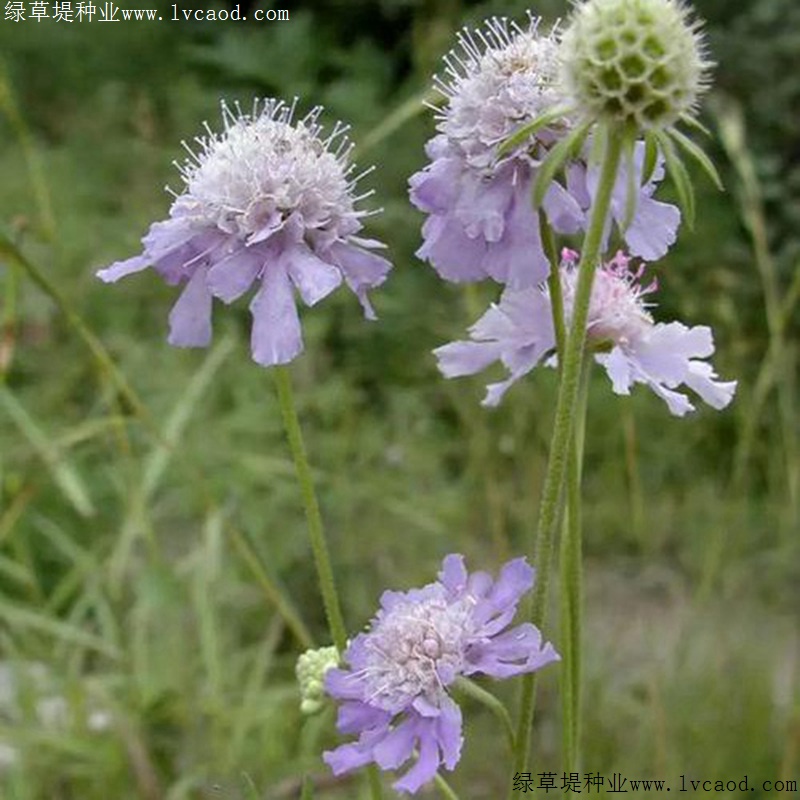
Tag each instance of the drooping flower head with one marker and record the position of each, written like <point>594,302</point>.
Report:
<point>268,201</point>
<point>621,333</point>
<point>394,693</point>
<point>633,62</point>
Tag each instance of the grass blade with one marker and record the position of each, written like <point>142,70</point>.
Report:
<point>64,475</point>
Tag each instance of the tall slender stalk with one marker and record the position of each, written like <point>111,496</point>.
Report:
<point>566,404</point>
<point>319,547</point>
<point>322,558</point>
<point>571,586</point>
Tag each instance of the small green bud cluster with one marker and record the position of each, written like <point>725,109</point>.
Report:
<point>310,670</point>
<point>634,62</point>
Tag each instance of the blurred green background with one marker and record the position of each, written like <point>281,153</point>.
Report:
<point>155,580</point>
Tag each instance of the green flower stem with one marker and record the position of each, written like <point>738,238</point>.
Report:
<point>571,586</point>
<point>471,689</point>
<point>374,781</point>
<point>562,427</point>
<point>444,787</point>
<point>322,558</point>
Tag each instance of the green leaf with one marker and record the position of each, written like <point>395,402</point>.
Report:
<point>20,617</point>
<point>697,153</point>
<point>695,123</point>
<point>631,187</point>
<point>64,474</point>
<point>308,789</point>
<point>527,130</point>
<point>650,157</point>
<point>679,176</point>
<point>556,159</point>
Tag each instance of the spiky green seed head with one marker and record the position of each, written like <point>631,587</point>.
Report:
<point>310,670</point>
<point>633,62</point>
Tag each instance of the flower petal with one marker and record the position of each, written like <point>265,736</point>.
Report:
<point>232,276</point>
<point>453,254</point>
<point>276,337</point>
<point>362,270</point>
<point>511,653</point>
<point>453,574</point>
<point>313,277</point>
<point>190,318</point>
<point>427,763</point>
<point>119,269</point>
<point>397,746</point>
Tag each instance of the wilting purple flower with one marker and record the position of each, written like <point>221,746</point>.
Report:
<point>394,694</point>
<point>621,333</point>
<point>481,222</point>
<point>269,202</point>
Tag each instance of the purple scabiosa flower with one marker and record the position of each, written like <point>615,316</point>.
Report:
<point>394,693</point>
<point>621,333</point>
<point>480,219</point>
<point>268,202</point>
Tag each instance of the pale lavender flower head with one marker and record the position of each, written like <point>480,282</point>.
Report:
<point>621,333</point>
<point>481,222</point>
<point>394,694</point>
<point>269,202</point>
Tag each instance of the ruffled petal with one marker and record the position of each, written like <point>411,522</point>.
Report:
<point>343,685</point>
<point>427,763</point>
<point>453,574</point>
<point>435,188</point>
<point>511,653</point>
<point>517,259</point>
<point>563,210</point>
<point>314,278</point>
<point>356,716</point>
<point>348,757</point>
<point>466,358</point>
<point>449,733</point>
<point>276,337</point>
<point>718,394</point>
<point>190,318</point>
<point>397,746</point>
<point>120,269</point>
<point>232,276</point>
<point>483,205</point>
<point>653,229</point>
<point>454,255</point>
<point>663,359</point>
<point>362,271</point>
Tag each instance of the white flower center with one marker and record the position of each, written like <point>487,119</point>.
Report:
<point>497,83</point>
<point>617,311</point>
<point>416,649</point>
<point>264,168</point>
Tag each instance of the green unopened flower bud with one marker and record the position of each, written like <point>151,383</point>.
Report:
<point>638,62</point>
<point>310,670</point>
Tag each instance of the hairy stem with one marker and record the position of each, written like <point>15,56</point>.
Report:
<point>566,406</point>
<point>571,586</point>
<point>322,559</point>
